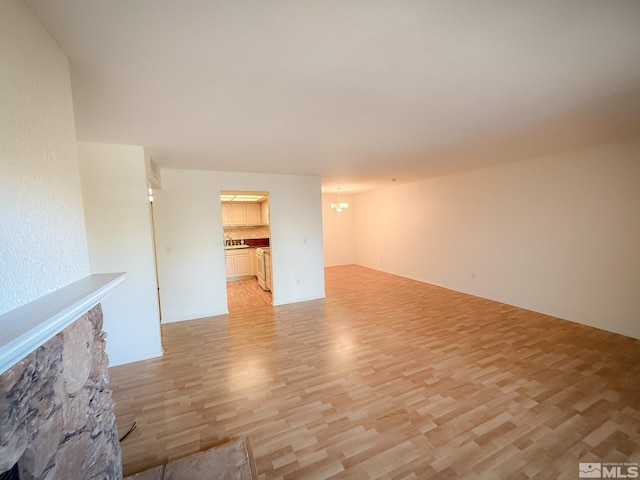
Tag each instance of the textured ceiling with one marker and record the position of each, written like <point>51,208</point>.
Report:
<point>357,92</point>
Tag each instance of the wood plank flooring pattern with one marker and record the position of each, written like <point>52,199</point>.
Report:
<point>387,378</point>
<point>245,295</point>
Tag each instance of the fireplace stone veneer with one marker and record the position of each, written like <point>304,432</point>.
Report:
<point>57,417</point>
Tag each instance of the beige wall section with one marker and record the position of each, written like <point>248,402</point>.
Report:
<point>119,238</point>
<point>42,235</point>
<point>189,238</point>
<point>338,231</point>
<point>558,234</point>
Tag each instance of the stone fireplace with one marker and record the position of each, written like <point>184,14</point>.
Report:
<point>57,417</point>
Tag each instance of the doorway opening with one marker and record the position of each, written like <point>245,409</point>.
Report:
<point>247,248</point>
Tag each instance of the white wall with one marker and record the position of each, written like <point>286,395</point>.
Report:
<point>189,238</point>
<point>42,235</point>
<point>558,235</point>
<point>338,231</point>
<point>120,240</point>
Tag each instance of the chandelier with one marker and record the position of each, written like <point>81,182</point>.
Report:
<point>339,205</point>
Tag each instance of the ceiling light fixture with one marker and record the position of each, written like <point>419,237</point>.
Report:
<point>339,205</point>
<point>235,197</point>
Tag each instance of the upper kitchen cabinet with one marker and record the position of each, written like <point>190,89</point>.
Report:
<point>227,220</point>
<point>253,214</point>
<point>264,212</point>
<point>236,214</point>
<point>244,209</point>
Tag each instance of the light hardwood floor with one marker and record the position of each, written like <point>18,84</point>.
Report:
<point>387,378</point>
<point>246,295</point>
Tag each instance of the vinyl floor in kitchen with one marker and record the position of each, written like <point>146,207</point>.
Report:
<point>246,295</point>
<point>387,378</point>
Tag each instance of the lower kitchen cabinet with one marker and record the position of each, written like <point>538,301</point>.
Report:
<point>241,264</point>
<point>253,267</point>
<point>238,263</point>
<point>230,266</point>
<point>267,268</point>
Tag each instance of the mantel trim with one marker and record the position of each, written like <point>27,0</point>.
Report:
<point>26,328</point>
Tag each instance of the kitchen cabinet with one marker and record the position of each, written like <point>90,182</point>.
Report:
<point>253,214</point>
<point>230,265</point>
<point>253,266</point>
<point>238,263</point>
<point>226,215</point>
<point>238,214</point>
<point>264,213</point>
<point>244,214</point>
<point>267,268</point>
<point>241,265</point>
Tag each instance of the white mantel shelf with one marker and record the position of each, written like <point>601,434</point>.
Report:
<point>26,328</point>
